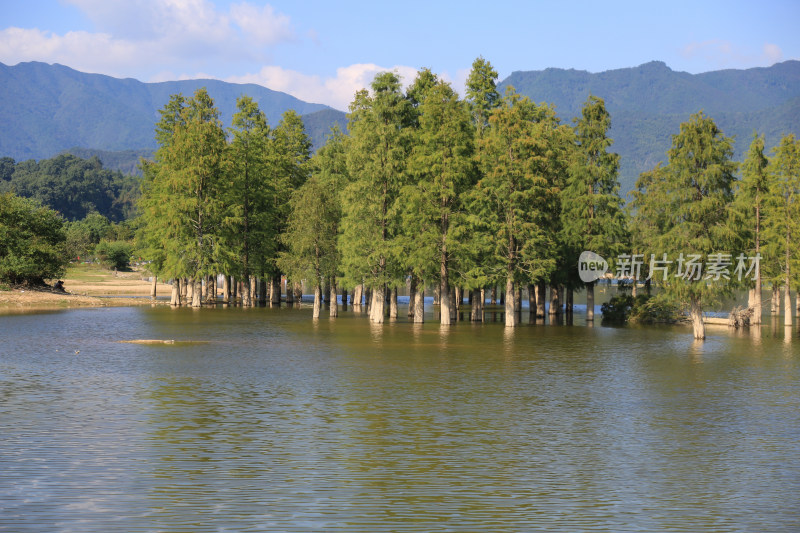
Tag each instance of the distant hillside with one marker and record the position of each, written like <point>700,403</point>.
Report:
<point>47,109</point>
<point>647,104</point>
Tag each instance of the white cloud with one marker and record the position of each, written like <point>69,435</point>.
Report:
<point>263,25</point>
<point>724,54</point>
<point>91,52</point>
<point>337,91</point>
<point>772,53</point>
<point>137,36</point>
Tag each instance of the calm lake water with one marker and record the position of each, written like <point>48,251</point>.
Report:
<point>270,421</point>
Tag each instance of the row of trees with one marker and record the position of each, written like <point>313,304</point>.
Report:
<point>73,186</point>
<point>431,190</point>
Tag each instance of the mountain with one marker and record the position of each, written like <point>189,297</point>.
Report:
<point>46,109</point>
<point>49,109</point>
<point>648,103</point>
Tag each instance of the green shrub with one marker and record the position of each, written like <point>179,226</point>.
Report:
<point>114,254</point>
<point>642,309</point>
<point>32,242</point>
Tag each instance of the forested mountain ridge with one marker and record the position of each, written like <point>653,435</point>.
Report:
<point>647,104</point>
<point>46,109</point>
<point>49,109</point>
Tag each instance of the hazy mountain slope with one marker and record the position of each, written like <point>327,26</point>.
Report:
<point>647,104</point>
<point>46,109</point>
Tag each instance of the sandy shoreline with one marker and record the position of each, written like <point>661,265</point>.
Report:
<point>84,286</point>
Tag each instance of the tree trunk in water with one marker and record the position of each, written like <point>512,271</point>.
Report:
<point>226,290</point>
<point>531,300</point>
<point>298,291</point>
<point>197,293</point>
<point>326,293</point>
<point>289,293</point>
<point>377,306</point>
<point>502,297</point>
<point>459,298</point>
<point>188,290</point>
<point>541,292</point>
<point>153,288</point>
<point>419,305</point>
<point>262,291</point>
<point>476,314</point>
<point>412,293</point>
<point>253,291</point>
<point>787,304</point>
<point>697,320</point>
<point>367,299</point>
<point>358,294</point>
<point>212,289</point>
<point>755,318</point>
<point>175,297</point>
<point>555,305</point>
<point>445,316</point>
<point>570,301</point>
<point>493,296</point>
<point>317,301</point>
<point>393,303</point>
<point>437,295</point>
<point>247,300</point>
<point>590,301</point>
<point>776,299</point>
<point>511,315</point>
<point>334,301</point>
<point>344,299</point>
<point>518,301</point>
<point>234,290</point>
<point>276,291</point>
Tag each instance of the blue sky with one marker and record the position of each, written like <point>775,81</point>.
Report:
<point>323,51</point>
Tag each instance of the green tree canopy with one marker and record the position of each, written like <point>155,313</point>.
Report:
<point>32,241</point>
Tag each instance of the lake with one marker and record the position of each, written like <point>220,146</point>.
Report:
<point>266,420</point>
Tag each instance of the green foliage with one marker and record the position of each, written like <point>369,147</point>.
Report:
<point>74,187</point>
<point>782,213</point>
<point>515,205</point>
<point>251,227</point>
<point>31,241</point>
<point>441,171</point>
<point>376,162</point>
<point>642,309</point>
<point>592,210</point>
<point>482,94</point>
<point>114,254</point>
<point>683,208</point>
<point>124,161</point>
<point>658,309</point>
<point>182,198</point>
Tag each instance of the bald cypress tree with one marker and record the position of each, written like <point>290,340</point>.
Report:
<point>521,156</point>
<point>182,201</point>
<point>441,170</point>
<point>751,195</point>
<point>376,162</point>
<point>251,237</point>
<point>782,220</point>
<point>592,214</point>
<point>694,192</point>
